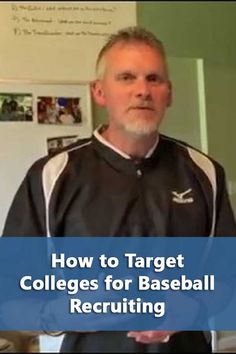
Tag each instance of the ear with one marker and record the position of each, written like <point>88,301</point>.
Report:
<point>98,93</point>
<point>169,95</point>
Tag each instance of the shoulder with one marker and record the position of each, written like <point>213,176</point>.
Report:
<point>46,172</point>
<point>196,158</point>
<point>55,163</point>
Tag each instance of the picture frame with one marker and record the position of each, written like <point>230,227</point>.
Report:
<point>59,142</point>
<point>66,105</point>
<point>16,107</point>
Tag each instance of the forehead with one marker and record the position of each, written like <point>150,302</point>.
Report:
<point>130,56</point>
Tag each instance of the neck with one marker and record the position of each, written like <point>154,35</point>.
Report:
<point>134,145</point>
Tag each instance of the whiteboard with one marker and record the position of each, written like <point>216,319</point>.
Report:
<point>57,41</point>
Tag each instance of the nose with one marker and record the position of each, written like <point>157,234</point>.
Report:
<point>142,89</point>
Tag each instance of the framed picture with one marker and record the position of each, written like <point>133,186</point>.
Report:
<point>64,105</point>
<point>16,107</point>
<point>59,110</point>
<point>57,143</point>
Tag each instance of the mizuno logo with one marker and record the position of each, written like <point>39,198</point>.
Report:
<point>181,197</point>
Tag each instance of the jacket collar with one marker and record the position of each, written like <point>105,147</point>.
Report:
<point>117,158</point>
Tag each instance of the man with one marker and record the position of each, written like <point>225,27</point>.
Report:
<point>127,180</point>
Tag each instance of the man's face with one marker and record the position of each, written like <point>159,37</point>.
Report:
<point>135,88</point>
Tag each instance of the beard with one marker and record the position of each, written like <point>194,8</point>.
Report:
<point>141,125</point>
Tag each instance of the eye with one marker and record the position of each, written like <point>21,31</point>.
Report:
<point>156,78</point>
<point>126,77</point>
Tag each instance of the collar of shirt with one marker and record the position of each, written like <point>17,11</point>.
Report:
<point>99,137</point>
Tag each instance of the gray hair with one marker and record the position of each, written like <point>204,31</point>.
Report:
<point>128,35</point>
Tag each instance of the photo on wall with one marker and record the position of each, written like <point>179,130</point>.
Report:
<point>59,110</point>
<point>57,143</point>
<point>16,107</point>
<point>65,107</point>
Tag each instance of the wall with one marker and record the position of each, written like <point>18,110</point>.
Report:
<point>220,104</point>
<point>204,30</point>
<point>193,29</point>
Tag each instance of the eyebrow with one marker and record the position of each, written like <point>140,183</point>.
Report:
<point>126,72</point>
<point>158,75</point>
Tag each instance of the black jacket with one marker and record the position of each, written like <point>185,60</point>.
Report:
<point>90,189</point>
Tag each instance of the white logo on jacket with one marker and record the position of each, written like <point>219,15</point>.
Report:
<point>181,198</point>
